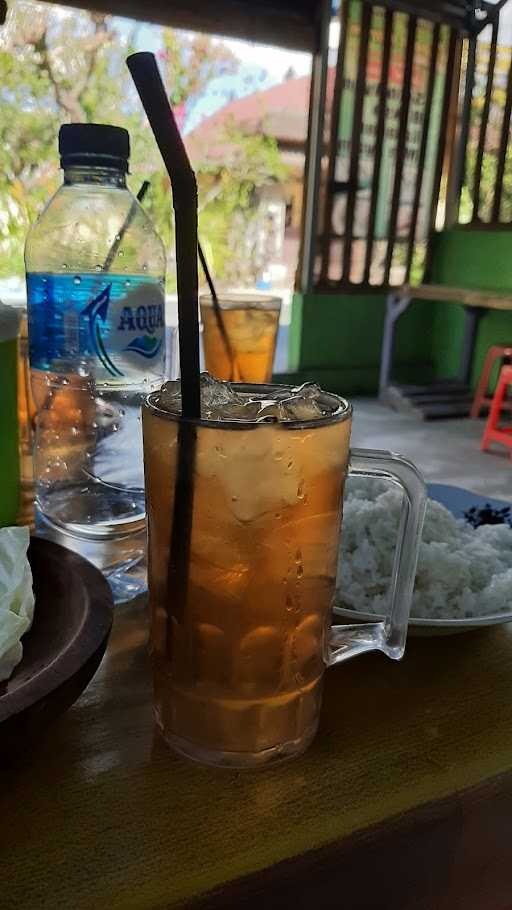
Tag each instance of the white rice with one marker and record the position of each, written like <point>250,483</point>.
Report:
<point>462,571</point>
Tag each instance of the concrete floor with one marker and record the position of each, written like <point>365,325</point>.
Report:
<point>446,451</point>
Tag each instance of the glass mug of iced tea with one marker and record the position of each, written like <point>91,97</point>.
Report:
<point>239,337</point>
<point>239,651</point>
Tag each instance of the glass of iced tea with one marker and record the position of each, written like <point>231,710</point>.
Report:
<point>239,653</point>
<point>240,340</point>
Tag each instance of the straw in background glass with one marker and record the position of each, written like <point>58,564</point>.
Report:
<point>148,82</point>
<point>218,313</point>
<point>126,224</point>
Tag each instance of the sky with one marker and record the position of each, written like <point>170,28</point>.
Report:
<point>251,76</point>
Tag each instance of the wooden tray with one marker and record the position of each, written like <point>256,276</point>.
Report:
<point>62,651</point>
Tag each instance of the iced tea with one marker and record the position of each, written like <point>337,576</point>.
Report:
<point>238,667</point>
<point>250,324</point>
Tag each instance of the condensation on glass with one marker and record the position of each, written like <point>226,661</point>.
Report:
<point>239,650</point>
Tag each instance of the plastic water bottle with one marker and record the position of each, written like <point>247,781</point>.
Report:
<point>95,292</point>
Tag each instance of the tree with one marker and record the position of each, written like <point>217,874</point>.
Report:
<point>59,65</point>
<point>231,217</point>
<point>489,167</point>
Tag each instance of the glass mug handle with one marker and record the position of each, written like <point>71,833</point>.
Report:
<point>389,635</point>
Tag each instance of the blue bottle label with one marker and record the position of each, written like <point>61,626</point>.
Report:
<point>113,323</point>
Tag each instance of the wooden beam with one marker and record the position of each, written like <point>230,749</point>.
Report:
<point>434,47</point>
<point>313,162</point>
<point>484,120</point>
<point>333,140</point>
<point>465,296</point>
<point>357,122</point>
<point>379,139</point>
<point>451,166</point>
<point>441,145</point>
<point>445,12</point>
<point>400,145</point>
<point>285,24</point>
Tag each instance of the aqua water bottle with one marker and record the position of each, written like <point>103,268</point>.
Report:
<point>95,291</point>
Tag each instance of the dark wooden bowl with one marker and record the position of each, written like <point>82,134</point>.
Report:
<point>72,621</point>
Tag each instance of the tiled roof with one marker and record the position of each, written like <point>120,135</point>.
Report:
<point>280,111</point>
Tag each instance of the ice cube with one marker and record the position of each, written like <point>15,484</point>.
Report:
<point>169,396</point>
<point>304,402</point>
<point>298,408</point>
<point>308,390</point>
<point>216,397</point>
<point>222,401</point>
<point>308,646</point>
<point>246,490</point>
<point>267,410</point>
<point>259,662</point>
<point>210,655</point>
<point>219,401</point>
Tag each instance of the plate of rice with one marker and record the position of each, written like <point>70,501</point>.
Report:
<point>464,575</point>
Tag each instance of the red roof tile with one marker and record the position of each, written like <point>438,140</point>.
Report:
<point>280,111</point>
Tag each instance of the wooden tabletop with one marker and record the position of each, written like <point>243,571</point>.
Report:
<point>473,297</point>
<point>403,801</point>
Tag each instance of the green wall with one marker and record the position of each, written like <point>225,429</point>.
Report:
<point>470,259</point>
<point>336,339</point>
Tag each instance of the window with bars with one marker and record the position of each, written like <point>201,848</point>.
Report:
<point>403,135</point>
<point>484,192</point>
<point>390,107</point>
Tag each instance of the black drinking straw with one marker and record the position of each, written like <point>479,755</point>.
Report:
<point>218,312</point>
<point>148,82</point>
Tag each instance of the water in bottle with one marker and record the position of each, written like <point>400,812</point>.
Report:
<point>95,288</point>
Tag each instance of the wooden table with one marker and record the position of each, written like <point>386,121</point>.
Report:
<point>443,398</point>
<point>403,801</point>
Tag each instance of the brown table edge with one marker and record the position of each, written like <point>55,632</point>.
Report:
<point>448,854</point>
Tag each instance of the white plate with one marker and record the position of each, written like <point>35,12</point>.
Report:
<point>458,501</point>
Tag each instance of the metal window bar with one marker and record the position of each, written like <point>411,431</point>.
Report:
<point>477,174</point>
<point>355,145</point>
<point>442,141</point>
<point>453,125</point>
<point>314,152</point>
<point>466,113</point>
<point>401,144</point>
<point>434,48</point>
<point>503,147</point>
<point>379,140</point>
<point>333,144</point>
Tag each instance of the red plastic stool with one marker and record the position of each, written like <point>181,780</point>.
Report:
<point>482,397</point>
<point>493,432</point>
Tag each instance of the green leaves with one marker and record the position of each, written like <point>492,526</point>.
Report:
<point>58,66</point>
